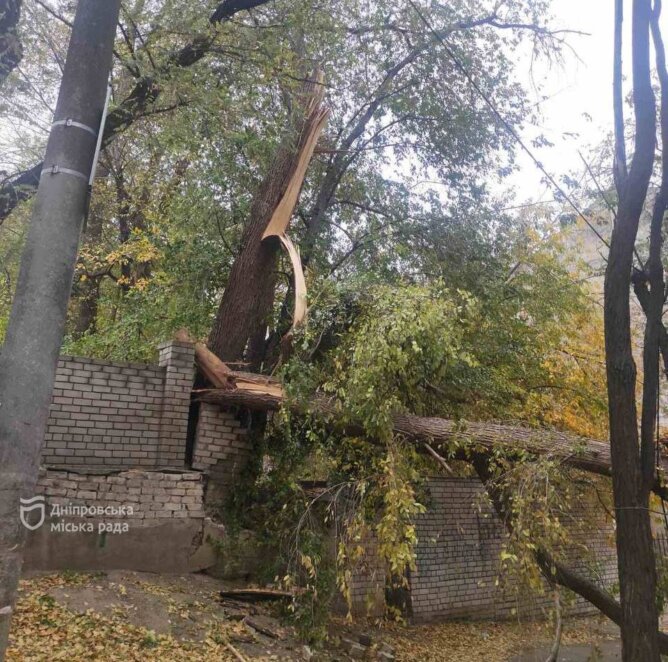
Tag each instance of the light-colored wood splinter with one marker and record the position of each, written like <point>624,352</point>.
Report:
<point>280,220</point>
<point>222,377</point>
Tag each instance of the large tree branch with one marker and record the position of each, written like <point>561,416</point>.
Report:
<point>229,8</point>
<point>144,93</point>
<point>579,452</point>
<point>554,571</point>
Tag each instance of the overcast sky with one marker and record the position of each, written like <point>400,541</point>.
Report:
<point>575,89</point>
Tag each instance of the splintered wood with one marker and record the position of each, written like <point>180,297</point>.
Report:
<point>222,377</point>
<point>316,115</point>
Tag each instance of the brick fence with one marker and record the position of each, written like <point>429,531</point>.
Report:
<point>222,449</point>
<point>460,539</point>
<point>134,520</point>
<point>124,435</point>
<point>150,494</point>
<point>108,416</point>
<point>120,415</point>
<point>126,432</point>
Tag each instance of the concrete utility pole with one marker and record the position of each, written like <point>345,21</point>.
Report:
<point>35,332</point>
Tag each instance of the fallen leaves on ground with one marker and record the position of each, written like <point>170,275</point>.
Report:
<point>44,631</point>
<point>486,640</point>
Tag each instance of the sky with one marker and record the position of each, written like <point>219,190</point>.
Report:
<point>581,85</point>
<point>578,112</point>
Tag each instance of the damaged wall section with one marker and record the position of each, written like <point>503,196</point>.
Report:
<point>139,520</point>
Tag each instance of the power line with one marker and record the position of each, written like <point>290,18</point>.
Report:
<point>457,62</point>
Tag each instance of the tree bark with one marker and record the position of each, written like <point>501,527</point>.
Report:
<point>247,301</point>
<point>619,165</point>
<point>11,50</point>
<point>632,458</point>
<point>36,325</point>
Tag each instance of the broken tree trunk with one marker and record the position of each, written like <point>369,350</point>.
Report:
<point>265,393</point>
<point>260,393</point>
<point>220,375</point>
<point>586,454</point>
<point>248,297</point>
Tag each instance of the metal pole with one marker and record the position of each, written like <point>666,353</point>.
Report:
<point>96,155</point>
<point>36,325</point>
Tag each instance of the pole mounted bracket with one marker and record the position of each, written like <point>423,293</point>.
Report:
<point>77,125</point>
<point>56,169</point>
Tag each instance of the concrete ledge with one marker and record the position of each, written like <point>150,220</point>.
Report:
<point>163,546</point>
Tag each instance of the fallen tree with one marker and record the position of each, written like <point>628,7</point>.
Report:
<point>475,443</point>
<point>261,393</point>
<point>579,452</point>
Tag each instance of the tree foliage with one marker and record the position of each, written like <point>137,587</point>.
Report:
<point>428,294</point>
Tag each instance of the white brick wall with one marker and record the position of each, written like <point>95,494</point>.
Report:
<point>220,438</point>
<point>120,415</point>
<point>152,494</point>
<point>458,558</point>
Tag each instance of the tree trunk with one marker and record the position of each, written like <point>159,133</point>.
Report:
<point>632,461</point>
<point>11,50</point>
<point>247,301</point>
<point>35,331</point>
<point>578,452</point>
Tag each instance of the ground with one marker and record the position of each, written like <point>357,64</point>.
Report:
<point>140,616</point>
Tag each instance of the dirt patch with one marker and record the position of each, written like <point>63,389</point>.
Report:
<point>140,616</point>
<point>184,607</point>
<point>174,618</point>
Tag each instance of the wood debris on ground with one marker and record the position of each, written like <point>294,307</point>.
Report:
<point>257,594</point>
